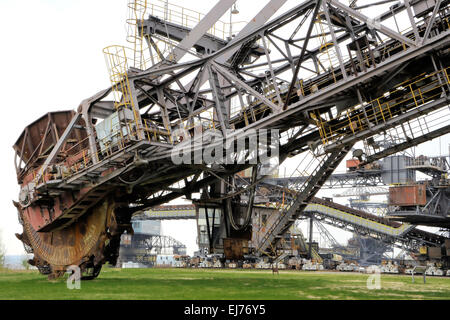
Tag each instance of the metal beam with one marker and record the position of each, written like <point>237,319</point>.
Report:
<point>257,23</point>
<point>259,20</point>
<point>302,55</point>
<point>408,144</point>
<point>333,37</point>
<point>219,99</point>
<point>372,23</point>
<point>226,74</point>
<point>431,22</point>
<point>58,145</point>
<point>200,29</point>
<point>330,91</point>
<point>391,123</point>
<point>411,20</point>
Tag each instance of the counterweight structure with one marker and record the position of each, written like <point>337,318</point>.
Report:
<point>333,76</point>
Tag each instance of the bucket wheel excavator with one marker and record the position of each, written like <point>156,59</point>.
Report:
<point>334,76</point>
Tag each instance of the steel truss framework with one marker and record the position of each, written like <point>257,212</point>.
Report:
<point>145,247</point>
<point>410,240</point>
<point>379,80</point>
<point>370,250</point>
<point>161,243</point>
<point>339,180</point>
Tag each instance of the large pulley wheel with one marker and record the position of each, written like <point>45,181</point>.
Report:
<point>81,244</point>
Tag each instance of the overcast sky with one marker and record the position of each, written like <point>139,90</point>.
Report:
<point>51,59</point>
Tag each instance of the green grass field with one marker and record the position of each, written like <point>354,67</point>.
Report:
<point>200,284</point>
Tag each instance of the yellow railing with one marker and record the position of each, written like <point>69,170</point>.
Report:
<point>118,65</point>
<point>135,33</point>
<point>156,132</point>
<point>116,142</point>
<point>189,18</point>
<point>334,62</point>
<point>326,52</point>
<point>113,143</point>
<point>138,54</point>
<point>263,227</point>
<point>416,92</point>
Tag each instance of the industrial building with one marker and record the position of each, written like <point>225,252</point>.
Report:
<point>206,110</point>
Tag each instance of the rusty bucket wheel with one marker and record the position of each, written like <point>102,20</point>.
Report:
<point>81,244</point>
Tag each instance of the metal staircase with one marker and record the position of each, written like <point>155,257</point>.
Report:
<point>305,248</point>
<point>305,192</point>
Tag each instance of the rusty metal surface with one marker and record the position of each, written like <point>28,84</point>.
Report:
<point>39,137</point>
<point>235,249</point>
<point>352,163</point>
<point>408,195</point>
<point>89,243</point>
<point>435,253</point>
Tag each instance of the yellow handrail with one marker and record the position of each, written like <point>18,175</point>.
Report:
<point>385,110</point>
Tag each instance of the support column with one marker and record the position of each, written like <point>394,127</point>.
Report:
<point>220,108</point>
<point>91,135</point>
<point>136,112</point>
<point>311,226</point>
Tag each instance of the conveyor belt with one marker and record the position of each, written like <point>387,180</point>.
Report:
<point>371,222</point>
<point>358,218</point>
